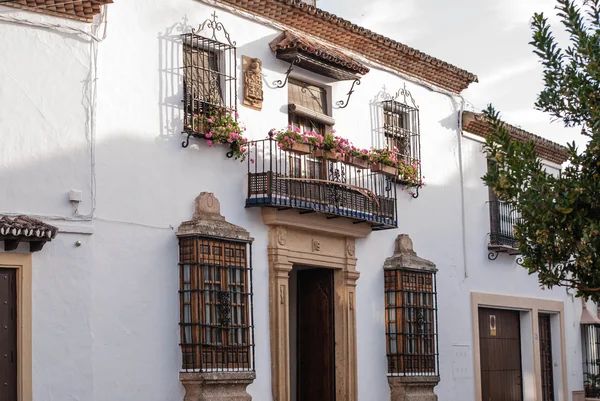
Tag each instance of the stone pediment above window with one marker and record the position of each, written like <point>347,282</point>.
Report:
<point>14,230</point>
<point>317,57</point>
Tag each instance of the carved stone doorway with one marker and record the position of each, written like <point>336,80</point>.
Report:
<point>313,241</point>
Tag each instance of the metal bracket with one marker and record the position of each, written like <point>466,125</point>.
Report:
<point>186,143</point>
<point>342,104</point>
<point>493,255</point>
<point>279,83</point>
<point>415,194</point>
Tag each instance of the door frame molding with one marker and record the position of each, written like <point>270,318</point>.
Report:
<point>22,264</point>
<point>533,306</point>
<point>311,240</point>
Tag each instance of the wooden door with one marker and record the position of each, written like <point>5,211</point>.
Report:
<point>8,335</point>
<point>500,355</point>
<point>315,337</point>
<point>546,358</point>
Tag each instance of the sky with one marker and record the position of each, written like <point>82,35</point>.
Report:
<point>489,38</point>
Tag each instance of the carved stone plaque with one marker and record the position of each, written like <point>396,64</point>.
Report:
<point>253,85</point>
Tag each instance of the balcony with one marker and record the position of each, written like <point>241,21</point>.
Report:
<point>311,183</point>
<point>502,222</point>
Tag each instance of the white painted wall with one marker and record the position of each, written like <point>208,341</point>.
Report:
<point>106,313</point>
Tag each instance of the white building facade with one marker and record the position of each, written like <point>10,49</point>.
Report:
<point>95,104</point>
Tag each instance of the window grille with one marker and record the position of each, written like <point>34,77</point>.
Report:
<point>401,132</point>
<point>411,322</point>
<point>209,76</point>
<point>217,332</point>
<point>503,219</point>
<point>590,340</point>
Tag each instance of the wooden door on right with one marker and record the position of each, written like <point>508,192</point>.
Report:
<point>546,357</point>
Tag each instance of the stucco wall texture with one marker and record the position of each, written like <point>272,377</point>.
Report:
<point>106,313</point>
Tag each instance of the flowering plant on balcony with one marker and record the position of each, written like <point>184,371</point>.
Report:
<point>222,127</point>
<point>409,172</point>
<point>384,156</point>
<point>364,154</point>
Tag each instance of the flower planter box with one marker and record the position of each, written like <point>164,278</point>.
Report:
<point>384,169</point>
<point>301,148</point>
<point>357,162</point>
<point>328,154</point>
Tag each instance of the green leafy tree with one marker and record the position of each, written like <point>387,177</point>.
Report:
<point>559,235</point>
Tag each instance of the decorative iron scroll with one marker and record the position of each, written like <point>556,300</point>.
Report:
<point>212,24</point>
<point>279,83</point>
<point>342,104</point>
<point>224,308</point>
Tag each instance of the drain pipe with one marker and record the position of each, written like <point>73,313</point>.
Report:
<point>462,187</point>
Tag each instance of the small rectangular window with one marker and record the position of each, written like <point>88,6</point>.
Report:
<point>310,107</point>
<point>503,219</point>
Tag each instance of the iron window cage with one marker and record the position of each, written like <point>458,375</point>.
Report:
<point>411,323</point>
<point>590,341</point>
<point>209,77</point>
<point>216,299</point>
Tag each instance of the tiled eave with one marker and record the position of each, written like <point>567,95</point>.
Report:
<point>319,55</point>
<point>477,124</point>
<point>14,230</point>
<point>81,10</point>
<point>339,32</point>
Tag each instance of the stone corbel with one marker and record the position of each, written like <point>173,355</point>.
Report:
<point>218,386</point>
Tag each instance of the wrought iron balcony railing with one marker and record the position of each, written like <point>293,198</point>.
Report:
<point>300,179</point>
<point>503,219</point>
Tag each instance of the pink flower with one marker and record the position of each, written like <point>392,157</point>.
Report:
<point>230,140</point>
<point>209,143</point>
<point>252,161</point>
<point>237,114</point>
<point>243,149</point>
<point>290,127</point>
<point>298,129</point>
<point>333,131</point>
<point>209,135</point>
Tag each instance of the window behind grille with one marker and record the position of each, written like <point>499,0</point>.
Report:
<point>202,79</point>
<point>400,127</point>
<point>411,319</point>
<point>215,296</point>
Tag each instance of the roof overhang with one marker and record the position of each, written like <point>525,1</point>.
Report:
<point>477,124</point>
<point>317,57</point>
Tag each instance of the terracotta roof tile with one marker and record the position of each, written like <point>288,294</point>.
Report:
<point>477,124</point>
<point>83,10</point>
<point>14,230</point>
<point>288,40</point>
<point>23,226</point>
<point>339,32</point>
